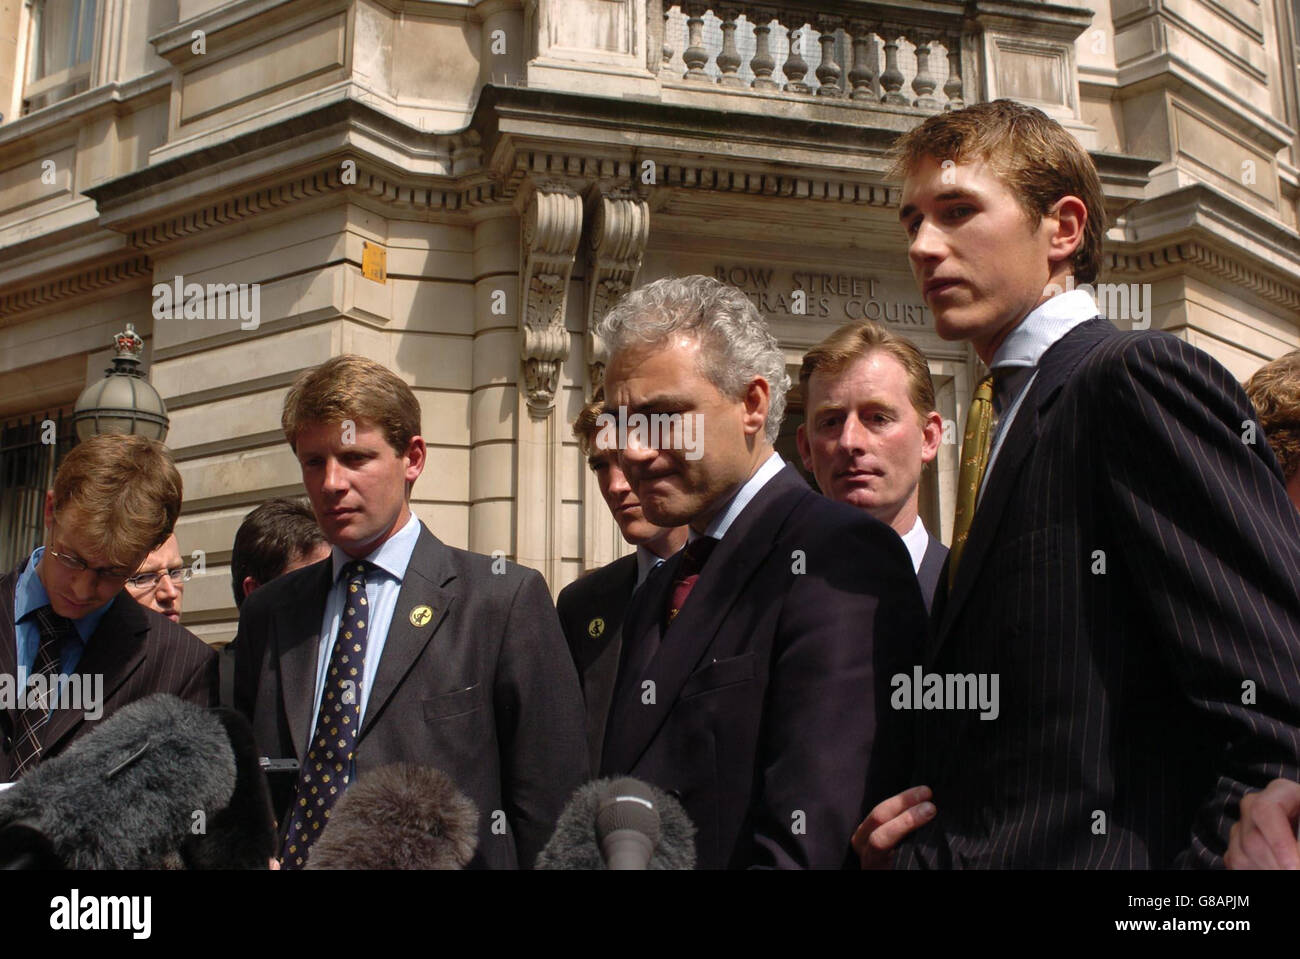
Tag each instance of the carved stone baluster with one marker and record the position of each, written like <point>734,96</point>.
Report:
<point>829,73</point>
<point>729,56</point>
<point>796,67</point>
<point>695,56</point>
<point>763,63</point>
<point>952,88</point>
<point>669,49</point>
<point>863,74</point>
<point>891,80</point>
<point>923,83</point>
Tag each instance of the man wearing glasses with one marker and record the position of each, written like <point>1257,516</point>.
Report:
<point>74,646</point>
<point>160,581</point>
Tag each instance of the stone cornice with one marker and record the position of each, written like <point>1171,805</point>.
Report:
<point>91,280</point>
<point>1222,263</point>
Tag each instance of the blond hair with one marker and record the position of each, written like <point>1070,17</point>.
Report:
<point>125,492</point>
<point>1031,153</point>
<point>1275,391</point>
<point>854,340</point>
<point>352,387</point>
<point>587,423</point>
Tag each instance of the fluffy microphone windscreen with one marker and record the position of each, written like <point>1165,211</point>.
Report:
<point>401,816</point>
<point>575,845</point>
<point>243,835</point>
<point>129,793</point>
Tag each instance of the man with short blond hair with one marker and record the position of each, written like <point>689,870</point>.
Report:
<point>870,428</point>
<point>399,648</point>
<point>65,615</point>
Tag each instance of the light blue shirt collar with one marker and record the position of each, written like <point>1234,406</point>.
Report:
<point>1035,335</point>
<point>392,556</point>
<point>646,561</point>
<point>726,516</point>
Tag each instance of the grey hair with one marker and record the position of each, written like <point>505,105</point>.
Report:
<point>736,342</point>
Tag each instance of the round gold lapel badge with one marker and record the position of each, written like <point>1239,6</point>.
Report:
<point>421,615</point>
<point>596,628</point>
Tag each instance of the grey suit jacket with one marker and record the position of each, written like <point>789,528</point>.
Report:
<point>484,690</point>
<point>137,651</point>
<point>591,613</point>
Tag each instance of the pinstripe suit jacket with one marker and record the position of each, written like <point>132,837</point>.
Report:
<point>139,652</point>
<point>1132,576</point>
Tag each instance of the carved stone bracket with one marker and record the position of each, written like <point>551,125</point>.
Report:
<point>552,229</point>
<point>620,228</point>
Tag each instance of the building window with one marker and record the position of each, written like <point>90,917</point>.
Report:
<point>27,463</point>
<point>62,43</point>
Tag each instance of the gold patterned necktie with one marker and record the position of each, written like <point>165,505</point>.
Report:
<point>975,443</point>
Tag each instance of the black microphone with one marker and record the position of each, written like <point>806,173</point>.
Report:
<point>127,795</point>
<point>400,816</point>
<point>620,824</point>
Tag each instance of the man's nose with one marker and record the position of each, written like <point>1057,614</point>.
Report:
<point>927,243</point>
<point>618,483</point>
<point>167,587</point>
<point>854,436</point>
<point>333,480</point>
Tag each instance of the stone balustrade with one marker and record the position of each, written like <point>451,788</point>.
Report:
<point>801,51</point>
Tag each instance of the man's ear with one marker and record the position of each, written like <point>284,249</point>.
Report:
<point>758,396</point>
<point>49,508</point>
<point>932,435</point>
<point>248,585</point>
<point>1070,216</point>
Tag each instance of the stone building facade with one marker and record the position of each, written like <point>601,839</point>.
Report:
<point>459,189</point>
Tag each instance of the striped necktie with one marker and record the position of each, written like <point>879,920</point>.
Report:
<point>54,630</point>
<point>328,764</point>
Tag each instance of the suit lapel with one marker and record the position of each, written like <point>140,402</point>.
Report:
<point>735,559</point>
<point>297,637</point>
<point>115,650</point>
<point>425,584</point>
<point>1054,369</point>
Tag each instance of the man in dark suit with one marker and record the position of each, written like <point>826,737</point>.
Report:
<point>591,608</point>
<point>870,428</point>
<point>1121,560</point>
<point>399,648</point>
<point>752,683</point>
<point>68,627</point>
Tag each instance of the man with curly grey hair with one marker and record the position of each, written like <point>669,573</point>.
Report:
<point>753,682</point>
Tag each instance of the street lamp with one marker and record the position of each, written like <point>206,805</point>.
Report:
<point>123,401</point>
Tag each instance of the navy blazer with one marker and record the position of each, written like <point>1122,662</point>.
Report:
<point>1132,578</point>
<point>764,705</point>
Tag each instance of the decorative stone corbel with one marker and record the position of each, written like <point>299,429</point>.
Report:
<point>552,229</point>
<point>620,227</point>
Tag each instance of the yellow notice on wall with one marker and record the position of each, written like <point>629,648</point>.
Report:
<point>374,262</point>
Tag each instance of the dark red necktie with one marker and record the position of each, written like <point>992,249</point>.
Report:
<point>694,556</point>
